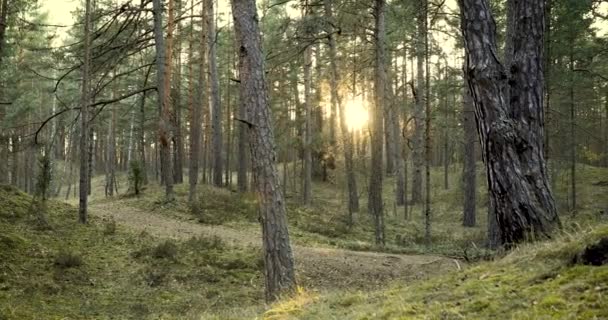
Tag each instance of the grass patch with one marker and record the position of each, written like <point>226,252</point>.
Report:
<point>534,281</point>
<point>75,271</point>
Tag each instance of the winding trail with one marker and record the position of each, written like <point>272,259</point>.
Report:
<point>320,268</point>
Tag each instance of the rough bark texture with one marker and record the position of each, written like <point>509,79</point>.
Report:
<point>278,257</point>
<point>347,141</point>
<point>511,128</point>
<point>163,76</point>
<point>243,155</point>
<point>469,176</point>
<point>418,144</point>
<point>375,204</point>
<point>84,118</point>
<point>216,107</point>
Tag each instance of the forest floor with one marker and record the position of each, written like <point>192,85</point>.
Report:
<point>143,258</point>
<point>321,268</point>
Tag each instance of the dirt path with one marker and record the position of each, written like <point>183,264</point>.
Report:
<point>321,268</point>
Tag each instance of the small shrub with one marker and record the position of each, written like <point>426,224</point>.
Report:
<point>165,250</point>
<point>67,260</point>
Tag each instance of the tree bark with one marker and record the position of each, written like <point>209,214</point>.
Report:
<point>216,107</point>
<point>195,123</point>
<point>84,118</point>
<point>511,127</point>
<point>427,128</point>
<point>418,146</point>
<point>178,139</point>
<point>307,143</point>
<point>470,174</point>
<point>375,186</point>
<point>278,257</point>
<point>163,79</point>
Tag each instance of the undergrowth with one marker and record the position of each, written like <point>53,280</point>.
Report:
<point>99,271</point>
<point>535,281</point>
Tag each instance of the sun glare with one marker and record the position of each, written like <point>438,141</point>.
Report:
<point>356,114</point>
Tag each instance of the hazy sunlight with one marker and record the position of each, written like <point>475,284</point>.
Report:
<point>356,112</point>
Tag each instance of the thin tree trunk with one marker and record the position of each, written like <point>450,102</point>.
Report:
<point>511,128</point>
<point>427,127</point>
<point>375,186</point>
<point>418,146</point>
<point>216,107</point>
<point>178,139</point>
<point>163,77</point>
<point>337,101</point>
<point>278,257</point>
<point>195,122</point>
<point>84,118</point>
<point>307,143</point>
<point>573,142</point>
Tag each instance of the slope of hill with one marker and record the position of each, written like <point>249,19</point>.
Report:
<point>547,280</point>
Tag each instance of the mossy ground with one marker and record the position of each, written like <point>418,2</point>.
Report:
<point>119,275</point>
<point>325,223</point>
<point>132,275</point>
<point>536,281</point>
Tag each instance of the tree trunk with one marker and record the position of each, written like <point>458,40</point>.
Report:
<point>216,108</point>
<point>572,119</point>
<point>195,123</point>
<point>163,79</point>
<point>84,118</point>
<point>243,154</point>
<point>511,134</point>
<point>278,258</point>
<point>427,128</point>
<point>418,146</point>
<point>178,139</point>
<point>307,143</point>
<point>375,186</point>
<point>470,174</point>
<point>336,100</point>
<point>111,155</point>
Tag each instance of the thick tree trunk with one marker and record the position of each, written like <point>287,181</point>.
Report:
<point>375,204</point>
<point>278,258</point>
<point>511,133</point>
<point>243,154</point>
<point>336,101</point>
<point>470,174</point>
<point>84,118</point>
<point>163,79</point>
<point>216,108</point>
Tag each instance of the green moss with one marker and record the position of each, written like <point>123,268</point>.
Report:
<point>535,281</point>
<point>76,271</point>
